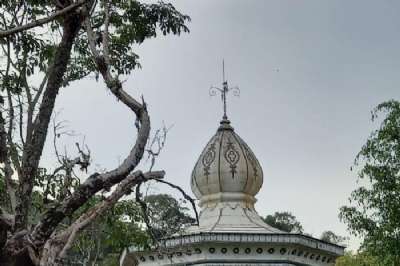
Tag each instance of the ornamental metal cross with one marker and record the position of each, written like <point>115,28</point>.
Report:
<point>224,91</point>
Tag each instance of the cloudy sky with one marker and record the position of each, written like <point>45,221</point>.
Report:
<point>309,73</point>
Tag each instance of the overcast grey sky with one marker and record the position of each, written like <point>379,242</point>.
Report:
<point>305,122</point>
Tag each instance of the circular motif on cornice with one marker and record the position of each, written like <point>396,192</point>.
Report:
<point>211,250</point>
<point>247,250</point>
<point>236,250</point>
<point>317,258</point>
<point>151,257</point>
<point>300,253</point>
<point>323,259</point>
<point>197,251</point>
<point>312,256</point>
<point>179,254</point>
<point>271,250</point>
<point>294,251</point>
<point>142,258</point>
<point>188,252</point>
<point>160,256</point>
<point>223,250</point>
<point>259,250</point>
<point>282,251</point>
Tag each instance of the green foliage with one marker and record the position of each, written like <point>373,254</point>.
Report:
<point>358,259</point>
<point>167,215</point>
<point>105,238</point>
<point>375,210</point>
<point>331,237</point>
<point>25,60</point>
<point>123,226</point>
<point>284,221</point>
<point>131,22</point>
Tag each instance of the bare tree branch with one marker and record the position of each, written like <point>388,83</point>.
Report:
<point>158,140</point>
<point>112,83</point>
<point>40,22</point>
<point>92,185</point>
<point>57,246</point>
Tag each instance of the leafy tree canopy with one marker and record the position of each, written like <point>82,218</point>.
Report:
<point>167,215</point>
<point>287,222</point>
<point>331,237</point>
<point>374,213</point>
<point>284,221</point>
<point>45,45</point>
<point>123,226</point>
<point>358,259</point>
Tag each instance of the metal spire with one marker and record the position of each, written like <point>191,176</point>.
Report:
<point>223,70</point>
<point>224,91</point>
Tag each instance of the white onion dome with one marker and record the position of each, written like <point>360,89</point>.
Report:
<point>227,168</point>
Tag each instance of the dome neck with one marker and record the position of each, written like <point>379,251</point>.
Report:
<point>225,124</point>
<point>227,197</point>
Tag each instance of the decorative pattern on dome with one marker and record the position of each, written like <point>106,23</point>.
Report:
<point>253,161</point>
<point>209,157</point>
<point>232,156</point>
<point>226,165</point>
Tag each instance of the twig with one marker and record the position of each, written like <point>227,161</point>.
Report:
<point>159,138</point>
<point>143,206</point>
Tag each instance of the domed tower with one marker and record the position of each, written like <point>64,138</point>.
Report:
<point>226,178</point>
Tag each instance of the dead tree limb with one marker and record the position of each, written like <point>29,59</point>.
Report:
<point>55,249</point>
<point>158,140</point>
<point>92,185</point>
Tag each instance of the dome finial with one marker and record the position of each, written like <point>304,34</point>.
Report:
<point>224,91</point>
